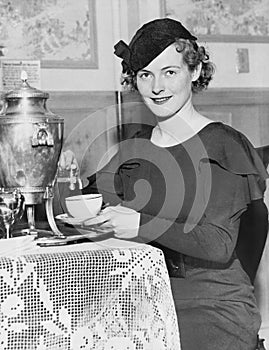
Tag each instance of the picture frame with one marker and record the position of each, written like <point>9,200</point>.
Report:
<point>221,21</point>
<point>59,33</point>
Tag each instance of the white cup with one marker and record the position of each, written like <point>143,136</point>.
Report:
<point>84,206</point>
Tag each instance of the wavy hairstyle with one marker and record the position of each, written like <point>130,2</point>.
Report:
<point>193,55</point>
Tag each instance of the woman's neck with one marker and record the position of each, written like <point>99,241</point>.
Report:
<point>180,127</point>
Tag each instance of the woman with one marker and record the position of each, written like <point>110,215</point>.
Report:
<point>183,186</point>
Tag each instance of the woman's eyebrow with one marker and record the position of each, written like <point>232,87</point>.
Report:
<point>144,71</point>
<point>163,68</point>
<point>169,67</point>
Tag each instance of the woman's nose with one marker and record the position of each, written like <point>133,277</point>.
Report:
<point>157,86</point>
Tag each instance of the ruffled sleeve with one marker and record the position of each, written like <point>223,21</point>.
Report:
<point>234,152</point>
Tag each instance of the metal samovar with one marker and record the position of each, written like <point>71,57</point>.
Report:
<point>31,139</point>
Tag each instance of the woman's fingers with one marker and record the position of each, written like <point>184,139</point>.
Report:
<point>99,219</point>
<point>122,220</point>
<point>67,160</point>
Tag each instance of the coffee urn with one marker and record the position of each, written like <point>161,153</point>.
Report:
<point>31,139</point>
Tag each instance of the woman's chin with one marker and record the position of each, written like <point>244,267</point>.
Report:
<point>160,111</point>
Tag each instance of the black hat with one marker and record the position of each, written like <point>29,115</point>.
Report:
<point>149,41</point>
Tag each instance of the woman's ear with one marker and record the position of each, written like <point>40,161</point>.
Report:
<point>197,71</point>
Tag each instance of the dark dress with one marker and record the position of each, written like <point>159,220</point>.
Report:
<point>191,197</point>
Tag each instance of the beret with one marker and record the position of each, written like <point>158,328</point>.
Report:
<point>148,42</point>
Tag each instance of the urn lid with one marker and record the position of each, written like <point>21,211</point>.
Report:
<point>26,102</point>
<point>25,90</point>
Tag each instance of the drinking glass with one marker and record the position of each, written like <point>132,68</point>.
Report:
<point>11,209</point>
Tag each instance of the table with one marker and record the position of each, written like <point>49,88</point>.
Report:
<point>96,295</point>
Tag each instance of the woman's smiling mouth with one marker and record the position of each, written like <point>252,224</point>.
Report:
<point>160,100</point>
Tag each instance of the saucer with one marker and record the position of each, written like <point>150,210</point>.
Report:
<point>66,219</point>
<point>70,223</point>
<point>86,236</point>
<point>73,232</point>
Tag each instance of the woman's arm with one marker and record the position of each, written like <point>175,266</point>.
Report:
<point>214,236</point>
<point>107,181</point>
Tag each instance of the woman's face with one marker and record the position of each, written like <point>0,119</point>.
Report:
<point>165,84</point>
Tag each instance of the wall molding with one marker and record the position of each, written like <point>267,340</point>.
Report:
<point>80,100</point>
<point>214,96</point>
<point>232,96</point>
<point>246,109</point>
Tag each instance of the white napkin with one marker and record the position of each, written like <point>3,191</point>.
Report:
<point>17,246</point>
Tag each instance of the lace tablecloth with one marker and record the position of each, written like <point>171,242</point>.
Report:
<point>107,295</point>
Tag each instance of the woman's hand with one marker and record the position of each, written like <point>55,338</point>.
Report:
<point>67,161</point>
<point>68,169</point>
<point>122,220</point>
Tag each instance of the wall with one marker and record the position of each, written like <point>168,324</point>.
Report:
<point>115,19</point>
<point>77,94</point>
<point>246,110</point>
<point>119,19</point>
<point>89,79</point>
<point>225,59</point>
<point>86,97</point>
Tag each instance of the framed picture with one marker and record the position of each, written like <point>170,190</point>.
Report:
<point>59,33</point>
<point>222,20</point>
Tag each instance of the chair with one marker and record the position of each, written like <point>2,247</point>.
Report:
<point>261,283</point>
<point>252,238</point>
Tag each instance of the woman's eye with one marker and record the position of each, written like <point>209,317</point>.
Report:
<point>144,75</point>
<point>169,73</point>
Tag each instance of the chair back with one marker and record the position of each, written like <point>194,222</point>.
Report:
<point>253,229</point>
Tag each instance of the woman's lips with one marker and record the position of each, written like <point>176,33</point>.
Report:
<point>160,100</point>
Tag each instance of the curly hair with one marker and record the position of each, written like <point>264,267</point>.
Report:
<point>193,55</point>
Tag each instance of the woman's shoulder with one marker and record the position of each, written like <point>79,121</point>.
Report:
<point>231,149</point>
<point>223,140</point>
<point>222,134</point>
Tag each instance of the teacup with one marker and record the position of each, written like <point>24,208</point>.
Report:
<point>84,206</point>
